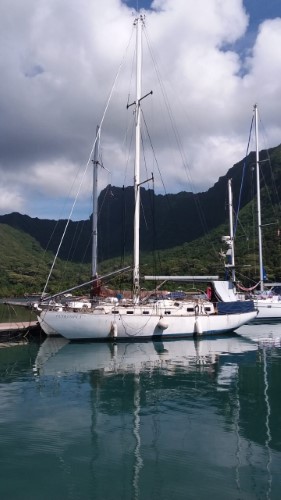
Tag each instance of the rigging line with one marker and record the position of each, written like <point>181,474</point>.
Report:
<point>274,189</point>
<point>157,165</point>
<point>266,188</point>
<point>254,224</point>
<point>129,140</point>
<point>243,176</point>
<point>154,154</point>
<point>164,188</point>
<point>177,136</point>
<point>87,164</point>
<point>86,250</point>
<point>145,163</point>
<point>57,222</point>
<point>156,255</point>
<point>165,97</point>
<point>76,287</point>
<point>107,191</point>
<point>166,101</point>
<point>144,158</point>
<point>243,276</point>
<point>124,217</point>
<point>79,227</point>
<point>265,139</point>
<point>274,186</point>
<point>108,183</point>
<point>236,214</point>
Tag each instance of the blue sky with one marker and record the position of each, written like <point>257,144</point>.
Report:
<point>262,9</point>
<point>258,10</point>
<point>58,62</point>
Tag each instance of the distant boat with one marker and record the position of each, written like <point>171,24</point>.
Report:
<point>143,317</point>
<point>267,303</point>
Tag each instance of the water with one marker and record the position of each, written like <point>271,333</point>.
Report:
<point>14,313</point>
<point>179,419</point>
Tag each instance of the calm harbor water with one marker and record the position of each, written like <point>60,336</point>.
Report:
<point>179,419</point>
<point>15,313</point>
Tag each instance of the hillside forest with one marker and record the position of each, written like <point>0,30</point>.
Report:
<point>180,234</point>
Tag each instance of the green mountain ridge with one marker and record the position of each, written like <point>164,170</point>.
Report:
<point>24,265</point>
<point>187,239</point>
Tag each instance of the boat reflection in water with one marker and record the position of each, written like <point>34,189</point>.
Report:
<point>58,356</point>
<point>175,419</point>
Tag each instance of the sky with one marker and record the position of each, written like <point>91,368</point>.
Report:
<point>207,62</point>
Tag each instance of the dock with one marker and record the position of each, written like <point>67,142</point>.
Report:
<point>18,326</point>
<point>17,330</point>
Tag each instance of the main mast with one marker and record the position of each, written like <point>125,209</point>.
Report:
<point>95,287</point>
<point>95,204</point>
<point>136,277</point>
<point>259,198</point>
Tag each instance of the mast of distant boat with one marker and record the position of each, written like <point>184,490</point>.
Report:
<point>231,232</point>
<point>259,199</point>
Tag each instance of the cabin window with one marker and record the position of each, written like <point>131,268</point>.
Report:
<point>130,312</point>
<point>190,309</point>
<point>167,312</point>
<point>207,309</point>
<point>145,312</point>
<point>115,312</point>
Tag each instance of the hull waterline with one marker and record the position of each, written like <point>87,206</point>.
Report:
<point>269,310</point>
<point>93,326</point>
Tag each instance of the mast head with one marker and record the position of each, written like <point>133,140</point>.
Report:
<point>139,18</point>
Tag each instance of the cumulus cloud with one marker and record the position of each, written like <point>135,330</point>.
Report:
<point>58,62</point>
<point>10,200</point>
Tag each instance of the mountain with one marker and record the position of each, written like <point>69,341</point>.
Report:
<point>24,265</point>
<point>187,240</point>
<point>167,221</point>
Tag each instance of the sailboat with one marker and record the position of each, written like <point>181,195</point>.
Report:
<point>268,304</point>
<point>143,318</point>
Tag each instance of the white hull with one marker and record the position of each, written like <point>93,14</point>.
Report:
<point>269,309</point>
<point>137,322</point>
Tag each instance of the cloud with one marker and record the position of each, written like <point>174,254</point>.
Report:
<point>58,62</point>
<point>10,200</point>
